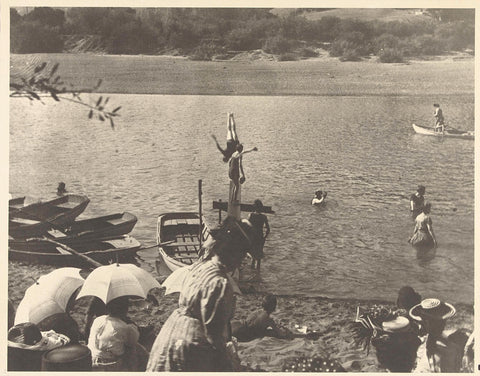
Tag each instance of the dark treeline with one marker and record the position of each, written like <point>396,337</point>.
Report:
<point>203,33</point>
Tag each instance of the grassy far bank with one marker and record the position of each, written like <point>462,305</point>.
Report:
<point>317,76</point>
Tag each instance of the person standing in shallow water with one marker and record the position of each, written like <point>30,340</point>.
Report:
<point>235,169</point>
<point>423,236</point>
<point>417,201</point>
<point>259,221</point>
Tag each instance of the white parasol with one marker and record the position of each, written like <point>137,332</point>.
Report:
<point>113,281</point>
<point>49,295</point>
<point>174,281</point>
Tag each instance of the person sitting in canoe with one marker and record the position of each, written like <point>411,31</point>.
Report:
<point>439,120</point>
<point>319,198</point>
<point>232,139</point>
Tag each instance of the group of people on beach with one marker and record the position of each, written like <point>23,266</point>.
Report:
<point>412,335</point>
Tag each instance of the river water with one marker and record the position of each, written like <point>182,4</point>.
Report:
<point>361,150</point>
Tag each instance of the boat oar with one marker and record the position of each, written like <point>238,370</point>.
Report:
<point>157,245</point>
<point>71,250</point>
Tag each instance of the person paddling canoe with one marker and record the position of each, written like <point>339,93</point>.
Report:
<point>439,120</point>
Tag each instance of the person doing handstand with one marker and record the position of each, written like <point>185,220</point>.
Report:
<point>232,139</point>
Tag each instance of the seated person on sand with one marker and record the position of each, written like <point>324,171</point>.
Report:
<point>232,139</point>
<point>258,221</point>
<point>235,169</point>
<point>319,198</point>
<point>113,340</point>
<point>445,349</point>
<point>259,324</point>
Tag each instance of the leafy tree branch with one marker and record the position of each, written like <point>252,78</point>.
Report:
<point>45,82</point>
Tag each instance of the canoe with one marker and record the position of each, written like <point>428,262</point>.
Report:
<point>449,132</point>
<point>38,251</point>
<point>34,219</point>
<point>184,229</point>
<point>16,203</point>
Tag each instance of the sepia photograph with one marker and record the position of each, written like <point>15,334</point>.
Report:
<point>240,189</point>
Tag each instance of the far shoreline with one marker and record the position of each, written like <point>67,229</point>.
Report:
<point>322,76</point>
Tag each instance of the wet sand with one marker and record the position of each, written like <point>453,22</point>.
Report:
<point>330,317</point>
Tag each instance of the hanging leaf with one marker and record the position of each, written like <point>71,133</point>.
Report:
<point>106,100</point>
<point>115,110</point>
<point>54,69</point>
<point>54,96</point>
<point>99,101</point>
<point>90,114</point>
<point>33,94</point>
<point>112,124</point>
<point>39,68</point>
<point>101,117</point>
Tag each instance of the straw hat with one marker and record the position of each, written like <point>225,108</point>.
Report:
<point>432,308</point>
<point>27,336</point>
<point>396,325</point>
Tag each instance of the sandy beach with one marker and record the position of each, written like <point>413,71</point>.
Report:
<point>316,77</point>
<point>331,317</point>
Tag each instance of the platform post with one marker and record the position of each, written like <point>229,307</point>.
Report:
<point>234,205</point>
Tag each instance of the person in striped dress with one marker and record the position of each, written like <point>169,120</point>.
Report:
<point>194,337</point>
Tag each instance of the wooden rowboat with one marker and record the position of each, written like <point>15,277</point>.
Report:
<point>39,251</point>
<point>183,228</point>
<point>449,132</point>
<point>34,219</point>
<point>108,226</point>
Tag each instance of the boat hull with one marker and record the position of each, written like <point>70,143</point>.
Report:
<point>34,219</point>
<point>184,229</point>
<point>449,132</point>
<point>122,249</point>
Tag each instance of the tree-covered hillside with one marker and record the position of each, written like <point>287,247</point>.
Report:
<point>205,33</point>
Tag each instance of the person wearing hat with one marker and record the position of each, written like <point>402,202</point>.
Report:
<point>417,200</point>
<point>439,120</point>
<point>396,342</point>
<point>444,349</point>
<point>259,221</point>
<point>423,236</point>
<point>195,336</point>
<point>27,344</point>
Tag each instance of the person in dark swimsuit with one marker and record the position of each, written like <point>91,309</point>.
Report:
<point>259,324</point>
<point>232,139</point>
<point>259,221</point>
<point>417,201</point>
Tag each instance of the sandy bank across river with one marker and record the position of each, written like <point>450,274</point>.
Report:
<point>318,76</point>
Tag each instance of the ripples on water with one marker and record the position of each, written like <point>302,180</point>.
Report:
<point>362,150</point>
